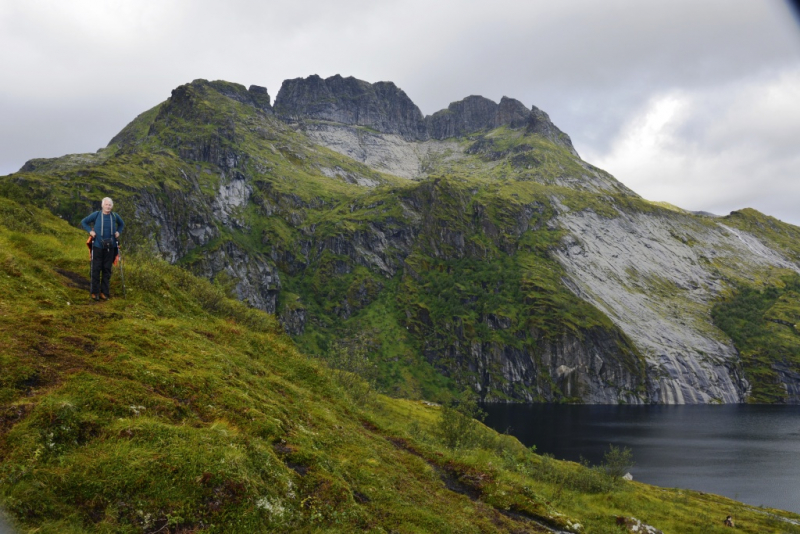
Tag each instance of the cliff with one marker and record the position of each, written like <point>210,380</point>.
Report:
<point>385,108</point>
<point>381,106</point>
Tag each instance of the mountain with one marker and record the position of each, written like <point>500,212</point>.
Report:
<point>176,410</point>
<point>469,248</point>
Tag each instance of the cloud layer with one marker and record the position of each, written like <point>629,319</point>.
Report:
<point>716,149</point>
<point>690,102</point>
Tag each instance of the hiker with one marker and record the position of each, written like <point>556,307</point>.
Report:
<point>104,226</point>
<point>729,521</point>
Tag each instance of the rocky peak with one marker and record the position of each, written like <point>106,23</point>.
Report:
<point>473,114</point>
<point>185,98</point>
<point>512,112</point>
<point>540,123</point>
<point>260,96</point>
<point>382,106</point>
<point>476,113</point>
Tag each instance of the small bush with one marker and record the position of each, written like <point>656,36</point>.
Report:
<point>458,422</point>
<point>586,478</point>
<point>617,461</point>
<point>353,364</point>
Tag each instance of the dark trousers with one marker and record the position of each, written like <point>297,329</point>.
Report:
<point>102,260</point>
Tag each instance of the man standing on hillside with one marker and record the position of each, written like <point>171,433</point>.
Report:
<point>104,226</point>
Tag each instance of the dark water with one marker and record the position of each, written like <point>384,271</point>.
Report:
<point>747,453</point>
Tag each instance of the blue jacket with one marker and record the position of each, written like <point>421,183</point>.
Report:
<point>104,226</point>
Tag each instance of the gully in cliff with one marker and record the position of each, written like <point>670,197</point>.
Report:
<point>104,228</point>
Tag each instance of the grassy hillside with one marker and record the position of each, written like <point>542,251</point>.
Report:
<point>178,410</point>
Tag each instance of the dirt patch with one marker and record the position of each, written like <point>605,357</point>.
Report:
<point>10,415</point>
<point>75,279</point>
<point>464,484</point>
<point>284,452</point>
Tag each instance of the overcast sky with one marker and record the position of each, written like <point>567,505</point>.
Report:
<point>693,102</point>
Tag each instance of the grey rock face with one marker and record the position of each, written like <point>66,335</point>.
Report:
<point>381,106</point>
<point>539,122</point>
<point>473,114</point>
<point>184,222</point>
<point>293,320</point>
<point>260,97</point>
<point>230,199</point>
<point>476,113</point>
<point>656,278</point>
<point>387,109</point>
<point>587,368</point>
<point>512,112</point>
<point>790,379</point>
<point>178,221</point>
<point>256,280</point>
<point>383,152</point>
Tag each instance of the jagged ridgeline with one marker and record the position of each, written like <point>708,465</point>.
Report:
<point>469,248</point>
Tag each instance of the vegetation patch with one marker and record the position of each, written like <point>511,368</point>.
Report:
<point>763,324</point>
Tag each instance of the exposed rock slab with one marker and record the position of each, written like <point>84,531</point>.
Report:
<point>655,277</point>
<point>256,281</point>
<point>384,152</point>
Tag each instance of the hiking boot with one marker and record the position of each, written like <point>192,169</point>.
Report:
<point>103,297</point>
<point>94,297</point>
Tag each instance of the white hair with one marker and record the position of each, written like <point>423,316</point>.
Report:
<point>109,201</point>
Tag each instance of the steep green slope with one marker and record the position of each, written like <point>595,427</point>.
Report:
<point>475,276</point>
<point>765,326</point>
<point>761,313</point>
<point>176,409</point>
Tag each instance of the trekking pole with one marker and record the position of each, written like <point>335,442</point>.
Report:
<point>121,271</point>
<point>91,265</point>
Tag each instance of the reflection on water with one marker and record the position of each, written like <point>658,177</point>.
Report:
<point>748,453</point>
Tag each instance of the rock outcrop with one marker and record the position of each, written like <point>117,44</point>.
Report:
<point>473,114</point>
<point>655,277</point>
<point>260,97</point>
<point>476,113</point>
<point>254,279</point>
<point>381,106</point>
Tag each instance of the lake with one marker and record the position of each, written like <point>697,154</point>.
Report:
<point>745,452</point>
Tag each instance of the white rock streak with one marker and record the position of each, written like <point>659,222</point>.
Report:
<point>656,278</point>
<point>384,152</point>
